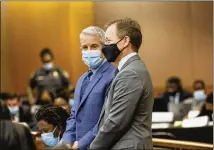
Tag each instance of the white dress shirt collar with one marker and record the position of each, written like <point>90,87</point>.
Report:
<point>125,59</point>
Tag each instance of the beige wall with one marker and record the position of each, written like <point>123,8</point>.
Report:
<point>28,27</point>
<point>177,36</point>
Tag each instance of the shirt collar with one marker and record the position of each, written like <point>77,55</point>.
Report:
<point>95,70</point>
<point>125,59</point>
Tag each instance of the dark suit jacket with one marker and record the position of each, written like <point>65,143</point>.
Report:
<point>127,115</point>
<point>26,116</point>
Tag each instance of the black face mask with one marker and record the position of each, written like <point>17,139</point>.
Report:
<point>111,51</point>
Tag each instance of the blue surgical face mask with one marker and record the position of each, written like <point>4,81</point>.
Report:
<point>71,102</point>
<point>92,58</point>
<point>49,139</point>
<point>14,110</point>
<point>48,66</point>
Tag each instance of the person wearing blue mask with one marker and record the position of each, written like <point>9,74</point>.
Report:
<point>52,123</point>
<point>19,113</point>
<point>90,90</point>
<point>48,78</point>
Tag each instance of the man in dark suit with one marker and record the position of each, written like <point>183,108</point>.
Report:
<point>125,122</point>
<point>18,112</point>
<point>90,91</point>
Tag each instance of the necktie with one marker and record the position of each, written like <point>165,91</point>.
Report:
<point>85,83</point>
<point>116,72</point>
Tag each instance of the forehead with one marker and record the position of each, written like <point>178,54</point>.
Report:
<point>111,32</point>
<point>60,101</point>
<point>198,84</point>
<point>47,57</point>
<point>44,124</point>
<point>11,101</point>
<point>89,39</point>
<point>172,85</point>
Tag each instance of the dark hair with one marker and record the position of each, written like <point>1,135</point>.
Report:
<point>210,98</point>
<point>46,51</point>
<point>14,95</point>
<point>15,136</point>
<point>54,115</point>
<point>199,81</point>
<point>4,111</point>
<point>175,80</point>
<point>128,27</point>
<point>4,96</point>
<point>63,94</point>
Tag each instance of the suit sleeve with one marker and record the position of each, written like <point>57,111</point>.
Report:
<point>127,92</point>
<point>86,140</point>
<point>69,136</point>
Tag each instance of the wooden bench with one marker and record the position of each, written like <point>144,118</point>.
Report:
<point>181,144</point>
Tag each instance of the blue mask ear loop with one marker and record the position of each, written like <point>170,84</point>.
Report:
<point>58,134</point>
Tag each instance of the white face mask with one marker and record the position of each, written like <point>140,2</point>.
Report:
<point>48,66</point>
<point>199,95</point>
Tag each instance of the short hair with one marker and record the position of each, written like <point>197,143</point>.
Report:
<point>4,95</point>
<point>94,30</point>
<point>175,80</point>
<point>54,115</point>
<point>128,27</point>
<point>46,51</point>
<point>4,111</point>
<point>199,81</point>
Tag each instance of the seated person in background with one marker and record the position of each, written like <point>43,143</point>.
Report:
<point>13,136</point>
<point>46,98</point>
<point>52,123</point>
<point>62,101</point>
<point>18,112</point>
<point>199,93</point>
<point>207,108</point>
<point>174,91</point>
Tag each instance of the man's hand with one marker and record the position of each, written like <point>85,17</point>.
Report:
<point>75,146</point>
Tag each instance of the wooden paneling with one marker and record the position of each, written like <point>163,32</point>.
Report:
<point>30,26</point>
<point>177,37</point>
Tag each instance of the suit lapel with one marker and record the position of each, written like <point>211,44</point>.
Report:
<point>93,82</point>
<point>133,58</point>
<point>78,89</point>
<point>136,57</point>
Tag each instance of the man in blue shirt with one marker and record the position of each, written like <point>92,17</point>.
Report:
<point>90,91</point>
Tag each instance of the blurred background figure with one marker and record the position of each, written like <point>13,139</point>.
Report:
<point>48,78</point>
<point>62,101</point>
<point>13,136</point>
<point>19,112</point>
<point>207,108</point>
<point>52,123</point>
<point>199,94</point>
<point>174,92</point>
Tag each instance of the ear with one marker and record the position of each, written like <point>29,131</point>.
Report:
<point>126,41</point>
